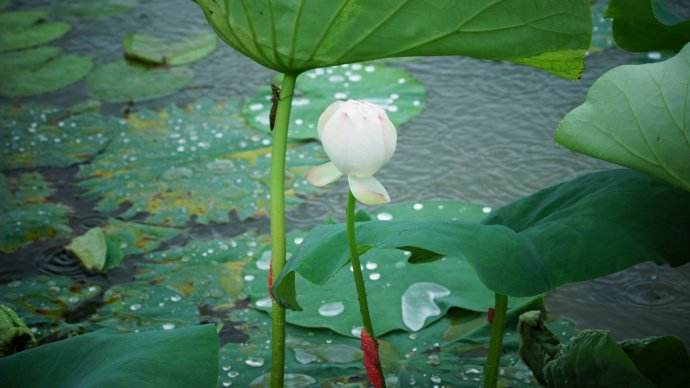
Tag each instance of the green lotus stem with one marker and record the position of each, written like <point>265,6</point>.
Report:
<point>357,272</point>
<point>496,343</point>
<point>278,246</point>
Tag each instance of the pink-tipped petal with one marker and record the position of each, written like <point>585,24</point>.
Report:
<point>324,174</point>
<point>368,191</point>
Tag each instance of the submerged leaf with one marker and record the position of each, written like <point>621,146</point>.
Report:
<point>50,304</point>
<point>23,29</point>
<point>394,89</point>
<point>152,50</point>
<point>637,116</point>
<point>197,163</point>
<point>290,36</point>
<point>38,136</point>
<point>122,81</point>
<point>27,215</point>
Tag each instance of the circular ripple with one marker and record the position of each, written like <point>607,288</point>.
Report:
<point>57,261</point>
<point>652,294</point>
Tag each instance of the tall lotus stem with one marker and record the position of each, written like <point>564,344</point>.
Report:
<point>369,344</point>
<point>278,246</point>
<point>498,323</point>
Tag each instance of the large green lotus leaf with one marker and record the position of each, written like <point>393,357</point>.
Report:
<point>89,9</point>
<point>199,162</point>
<point>589,227</point>
<point>403,296</point>
<point>637,116</point>
<point>395,89</point>
<point>22,29</point>
<point>290,36</point>
<point>155,51</point>
<point>123,81</point>
<point>26,214</point>
<point>636,28</point>
<point>51,306</point>
<point>602,35</point>
<point>145,306</point>
<point>37,136</point>
<point>433,210</point>
<point>40,70</point>
<point>178,358</point>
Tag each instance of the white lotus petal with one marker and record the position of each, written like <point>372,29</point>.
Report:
<point>324,174</point>
<point>326,115</point>
<point>368,191</point>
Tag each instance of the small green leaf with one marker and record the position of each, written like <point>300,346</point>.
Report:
<point>637,116</point>
<point>122,81</point>
<point>90,248</point>
<point>290,36</point>
<point>178,358</point>
<point>152,50</point>
<point>395,89</point>
<point>23,29</point>
<point>637,29</point>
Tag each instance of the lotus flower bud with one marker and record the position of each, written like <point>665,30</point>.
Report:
<point>359,139</point>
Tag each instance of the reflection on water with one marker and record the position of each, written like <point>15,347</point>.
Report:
<point>485,137</point>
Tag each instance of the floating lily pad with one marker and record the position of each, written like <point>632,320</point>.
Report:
<point>155,51</point>
<point>28,57</point>
<point>196,163</point>
<point>142,306</point>
<point>133,238</point>
<point>40,70</point>
<point>35,136</point>
<point>89,9</point>
<point>48,304</point>
<point>22,29</point>
<point>395,89</point>
<point>602,32</point>
<point>123,81</point>
<point>26,215</point>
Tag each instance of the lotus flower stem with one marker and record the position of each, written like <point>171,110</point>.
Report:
<point>278,246</point>
<point>369,344</point>
<point>496,342</point>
